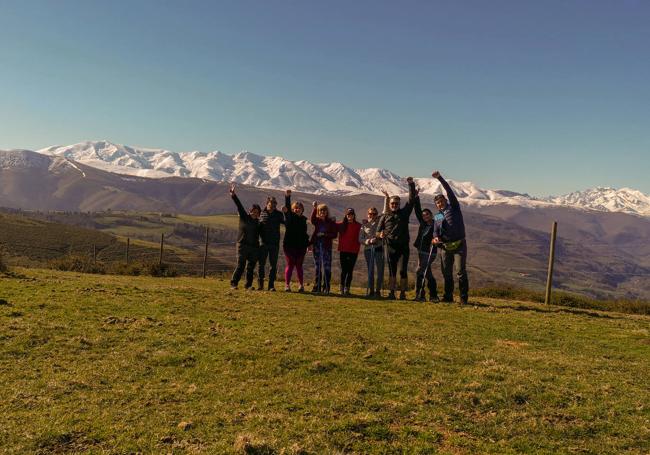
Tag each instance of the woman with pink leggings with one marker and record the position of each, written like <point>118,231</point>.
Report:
<point>296,240</point>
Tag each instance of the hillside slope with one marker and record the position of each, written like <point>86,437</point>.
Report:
<point>104,363</point>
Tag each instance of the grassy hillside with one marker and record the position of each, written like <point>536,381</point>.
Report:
<point>115,364</point>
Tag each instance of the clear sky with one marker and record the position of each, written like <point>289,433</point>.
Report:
<point>543,97</point>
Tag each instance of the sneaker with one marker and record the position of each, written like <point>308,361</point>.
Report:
<point>434,299</point>
<point>301,289</point>
<point>391,295</point>
<point>315,290</point>
<point>233,287</point>
<point>271,289</point>
<point>402,295</point>
<point>419,298</point>
<point>463,301</point>
<point>346,291</point>
<point>287,288</point>
<point>249,288</point>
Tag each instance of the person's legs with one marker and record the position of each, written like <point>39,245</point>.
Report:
<point>463,280</point>
<point>318,262</point>
<point>263,255</point>
<point>343,261</point>
<point>251,260</point>
<point>239,269</point>
<point>273,253</point>
<point>431,280</point>
<point>379,260</point>
<point>419,275</point>
<point>290,264</point>
<point>327,265</point>
<point>447,268</point>
<point>352,261</point>
<point>403,273</point>
<point>300,258</point>
<point>394,255</point>
<point>368,253</point>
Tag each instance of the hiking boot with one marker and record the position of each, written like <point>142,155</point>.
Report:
<point>434,299</point>
<point>391,295</point>
<point>271,289</point>
<point>287,288</point>
<point>463,301</point>
<point>233,287</point>
<point>402,295</point>
<point>301,289</point>
<point>315,290</point>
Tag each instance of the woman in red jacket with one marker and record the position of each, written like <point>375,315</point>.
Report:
<point>348,248</point>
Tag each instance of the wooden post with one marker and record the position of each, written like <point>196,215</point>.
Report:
<point>94,254</point>
<point>205,255</point>
<point>162,243</point>
<point>551,259</point>
<point>128,247</point>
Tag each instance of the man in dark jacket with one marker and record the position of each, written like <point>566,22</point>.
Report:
<point>426,253</point>
<point>394,228</point>
<point>248,244</point>
<point>450,234</point>
<point>270,220</point>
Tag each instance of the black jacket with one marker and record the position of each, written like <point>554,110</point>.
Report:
<point>396,224</point>
<point>249,228</point>
<point>425,231</point>
<point>452,227</point>
<point>295,235</point>
<point>270,226</point>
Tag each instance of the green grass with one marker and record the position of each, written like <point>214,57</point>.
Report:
<point>115,364</point>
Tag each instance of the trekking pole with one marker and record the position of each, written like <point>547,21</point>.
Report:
<point>321,277</point>
<point>427,266</point>
<point>370,263</point>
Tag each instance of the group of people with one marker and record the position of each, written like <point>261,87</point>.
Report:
<point>385,240</point>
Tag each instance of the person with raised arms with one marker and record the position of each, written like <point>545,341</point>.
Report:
<point>349,247</point>
<point>248,241</point>
<point>270,220</point>
<point>295,241</point>
<point>449,233</point>
<point>373,251</point>
<point>325,231</point>
<point>394,229</point>
<point>427,251</point>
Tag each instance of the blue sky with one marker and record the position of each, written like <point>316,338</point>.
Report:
<point>541,97</point>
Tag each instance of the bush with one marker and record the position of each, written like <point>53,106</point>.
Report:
<point>77,263</point>
<point>122,268</point>
<point>161,270</point>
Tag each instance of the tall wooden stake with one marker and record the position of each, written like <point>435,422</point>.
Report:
<point>551,259</point>
<point>205,255</point>
<point>128,247</point>
<point>162,243</point>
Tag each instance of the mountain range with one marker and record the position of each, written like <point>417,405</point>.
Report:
<point>321,178</point>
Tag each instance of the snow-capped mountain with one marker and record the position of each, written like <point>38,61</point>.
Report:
<point>319,178</point>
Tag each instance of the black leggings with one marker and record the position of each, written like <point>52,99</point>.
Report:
<point>348,261</point>
<point>395,253</point>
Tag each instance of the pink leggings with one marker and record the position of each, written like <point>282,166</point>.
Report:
<point>294,257</point>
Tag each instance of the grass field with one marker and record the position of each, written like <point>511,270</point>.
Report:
<point>109,364</point>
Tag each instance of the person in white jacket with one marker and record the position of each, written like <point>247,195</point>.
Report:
<point>373,251</point>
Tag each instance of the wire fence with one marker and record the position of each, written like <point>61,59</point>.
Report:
<point>584,265</point>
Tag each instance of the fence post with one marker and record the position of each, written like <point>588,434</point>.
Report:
<point>128,247</point>
<point>551,259</point>
<point>205,255</point>
<point>162,243</point>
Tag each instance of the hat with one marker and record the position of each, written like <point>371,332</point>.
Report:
<point>349,210</point>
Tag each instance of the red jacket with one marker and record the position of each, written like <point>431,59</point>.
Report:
<point>349,237</point>
<point>328,227</point>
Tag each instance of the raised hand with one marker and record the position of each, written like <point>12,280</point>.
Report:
<point>287,193</point>
<point>409,180</point>
<point>435,174</point>
<point>314,204</point>
<point>384,192</point>
<point>232,189</point>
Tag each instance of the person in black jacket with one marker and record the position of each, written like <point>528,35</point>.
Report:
<point>426,254</point>
<point>248,244</point>
<point>270,221</point>
<point>394,229</point>
<point>450,235</point>
<point>295,241</point>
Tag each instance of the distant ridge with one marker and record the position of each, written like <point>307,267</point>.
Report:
<point>319,178</point>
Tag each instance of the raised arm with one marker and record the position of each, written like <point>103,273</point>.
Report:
<point>418,209</point>
<point>313,217</point>
<point>450,193</point>
<point>287,206</point>
<point>408,207</point>
<point>240,208</point>
<point>386,201</point>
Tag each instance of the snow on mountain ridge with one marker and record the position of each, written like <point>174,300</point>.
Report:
<point>319,178</point>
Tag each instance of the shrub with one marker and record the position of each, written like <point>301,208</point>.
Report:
<point>161,270</point>
<point>4,268</point>
<point>131,269</point>
<point>77,263</point>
